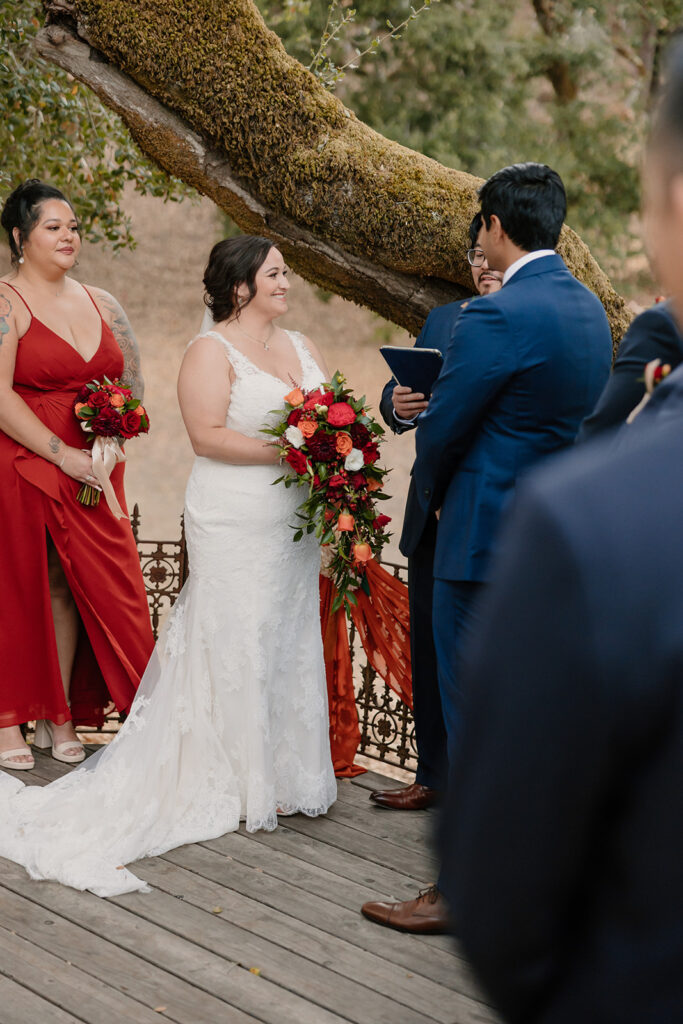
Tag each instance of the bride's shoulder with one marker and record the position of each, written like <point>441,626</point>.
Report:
<point>309,346</point>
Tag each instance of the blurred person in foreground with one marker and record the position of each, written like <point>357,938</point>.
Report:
<point>563,834</point>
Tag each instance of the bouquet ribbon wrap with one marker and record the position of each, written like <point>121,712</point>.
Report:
<point>106,452</point>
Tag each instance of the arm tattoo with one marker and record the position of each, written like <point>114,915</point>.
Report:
<point>127,342</point>
<point>5,310</point>
<point>53,444</point>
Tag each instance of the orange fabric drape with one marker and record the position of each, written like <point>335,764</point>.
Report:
<point>383,624</point>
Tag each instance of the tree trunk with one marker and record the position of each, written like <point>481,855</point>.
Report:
<point>209,93</point>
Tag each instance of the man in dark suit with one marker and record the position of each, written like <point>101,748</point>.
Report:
<point>652,335</point>
<point>523,368</point>
<point>564,842</point>
<point>400,408</point>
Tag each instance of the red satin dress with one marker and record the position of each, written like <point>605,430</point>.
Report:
<point>97,552</point>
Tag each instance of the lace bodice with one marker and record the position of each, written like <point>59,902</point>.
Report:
<point>256,393</point>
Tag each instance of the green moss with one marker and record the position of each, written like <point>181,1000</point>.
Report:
<point>294,145</point>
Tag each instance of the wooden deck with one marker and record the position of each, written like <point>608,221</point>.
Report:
<point>262,927</point>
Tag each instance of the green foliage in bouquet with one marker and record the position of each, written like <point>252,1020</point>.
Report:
<point>331,445</point>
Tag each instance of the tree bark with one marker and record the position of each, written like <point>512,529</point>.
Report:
<point>209,93</point>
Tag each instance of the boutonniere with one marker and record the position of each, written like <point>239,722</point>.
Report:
<point>655,373</point>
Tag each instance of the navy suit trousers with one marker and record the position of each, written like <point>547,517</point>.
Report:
<point>454,615</point>
<point>430,733</point>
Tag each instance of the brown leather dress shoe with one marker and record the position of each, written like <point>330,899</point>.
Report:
<point>426,915</point>
<point>407,798</point>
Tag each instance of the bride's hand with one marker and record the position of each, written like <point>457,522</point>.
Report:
<point>78,465</point>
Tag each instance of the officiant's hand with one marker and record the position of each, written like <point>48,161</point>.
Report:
<point>407,404</point>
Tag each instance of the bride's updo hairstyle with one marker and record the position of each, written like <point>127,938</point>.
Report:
<point>233,262</point>
<point>22,210</point>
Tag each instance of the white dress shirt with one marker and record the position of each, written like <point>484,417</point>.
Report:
<point>523,260</point>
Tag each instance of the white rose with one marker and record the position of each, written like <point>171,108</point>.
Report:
<point>294,436</point>
<point>354,460</point>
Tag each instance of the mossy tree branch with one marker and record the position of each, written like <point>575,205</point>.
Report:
<point>210,94</point>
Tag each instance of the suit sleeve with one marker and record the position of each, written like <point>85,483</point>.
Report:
<point>652,335</point>
<point>529,788</point>
<point>386,406</point>
<point>479,359</point>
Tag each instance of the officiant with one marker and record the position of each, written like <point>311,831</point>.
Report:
<point>400,408</point>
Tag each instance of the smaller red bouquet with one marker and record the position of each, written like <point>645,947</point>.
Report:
<point>107,411</point>
<point>331,445</point>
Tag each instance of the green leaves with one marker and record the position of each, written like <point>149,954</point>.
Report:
<point>54,128</point>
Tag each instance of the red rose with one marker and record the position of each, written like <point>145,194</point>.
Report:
<point>297,460</point>
<point>380,522</point>
<point>130,424</point>
<point>370,453</point>
<point>321,447</point>
<point>357,480</point>
<point>360,435</point>
<point>336,481</point>
<point>340,414</point>
<point>98,399</point>
<point>107,423</point>
<point>294,417</point>
<point>83,395</point>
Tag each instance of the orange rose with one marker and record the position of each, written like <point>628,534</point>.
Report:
<point>361,553</point>
<point>308,427</point>
<point>78,406</point>
<point>117,401</point>
<point>343,444</point>
<point>295,397</point>
<point>345,522</point>
<point>374,485</point>
<point>139,410</point>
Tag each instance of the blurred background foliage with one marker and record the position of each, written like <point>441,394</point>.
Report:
<point>475,84</point>
<point>54,128</point>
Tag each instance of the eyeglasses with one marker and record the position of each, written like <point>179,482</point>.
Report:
<point>476,257</point>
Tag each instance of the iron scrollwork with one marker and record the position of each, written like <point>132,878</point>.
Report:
<point>386,723</point>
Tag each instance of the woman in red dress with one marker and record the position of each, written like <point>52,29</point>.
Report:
<point>75,633</point>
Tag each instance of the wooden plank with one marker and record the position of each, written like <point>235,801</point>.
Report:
<point>133,973</point>
<point>420,866</point>
<point>202,947</point>
<point>400,828</point>
<point>380,975</point>
<point>374,780</point>
<point>347,865</point>
<point>318,966</point>
<point>407,951</point>
<point>293,864</point>
<point>19,1006</point>
<point>64,985</point>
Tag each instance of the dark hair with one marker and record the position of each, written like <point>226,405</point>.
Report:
<point>475,228</point>
<point>667,127</point>
<point>22,210</point>
<point>233,262</point>
<point>530,202</point>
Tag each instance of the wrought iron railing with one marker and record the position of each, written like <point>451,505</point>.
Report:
<point>386,723</point>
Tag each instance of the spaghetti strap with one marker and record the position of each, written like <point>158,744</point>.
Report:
<point>20,296</point>
<point>93,301</point>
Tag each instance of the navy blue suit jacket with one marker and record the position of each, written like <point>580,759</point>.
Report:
<point>652,335</point>
<point>524,366</point>
<point>563,829</point>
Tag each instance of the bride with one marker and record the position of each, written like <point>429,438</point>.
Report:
<point>230,721</point>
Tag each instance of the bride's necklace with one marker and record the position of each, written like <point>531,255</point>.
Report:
<point>258,340</point>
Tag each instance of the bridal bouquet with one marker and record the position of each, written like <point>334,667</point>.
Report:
<point>108,412</point>
<point>331,444</point>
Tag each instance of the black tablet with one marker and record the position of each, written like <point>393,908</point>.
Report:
<point>414,368</point>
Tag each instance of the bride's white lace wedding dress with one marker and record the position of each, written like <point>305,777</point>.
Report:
<point>230,721</point>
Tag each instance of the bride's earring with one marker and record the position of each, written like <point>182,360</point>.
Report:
<point>21,255</point>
